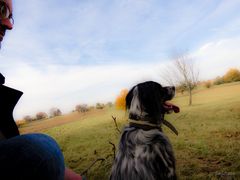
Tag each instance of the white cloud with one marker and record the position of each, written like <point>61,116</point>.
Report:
<point>37,57</point>
<point>65,86</point>
<point>215,58</point>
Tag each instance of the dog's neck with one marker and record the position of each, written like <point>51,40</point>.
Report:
<point>140,124</point>
<point>145,125</point>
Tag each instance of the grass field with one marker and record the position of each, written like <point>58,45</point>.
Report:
<point>207,147</point>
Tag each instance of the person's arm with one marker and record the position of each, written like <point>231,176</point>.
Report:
<point>8,99</point>
<point>71,175</point>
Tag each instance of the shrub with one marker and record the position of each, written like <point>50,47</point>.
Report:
<point>219,80</point>
<point>55,112</point>
<point>100,106</point>
<point>82,108</point>
<point>208,84</point>
<point>121,99</point>
<point>41,115</point>
<point>28,118</point>
<point>232,75</point>
<point>181,88</point>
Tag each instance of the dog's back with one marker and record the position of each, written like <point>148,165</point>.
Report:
<point>143,155</point>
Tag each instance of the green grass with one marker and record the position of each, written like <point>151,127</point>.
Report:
<point>208,143</point>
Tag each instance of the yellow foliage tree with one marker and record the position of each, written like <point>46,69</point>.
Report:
<point>232,75</point>
<point>120,102</point>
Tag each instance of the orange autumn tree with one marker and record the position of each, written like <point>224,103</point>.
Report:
<point>232,75</point>
<point>120,100</point>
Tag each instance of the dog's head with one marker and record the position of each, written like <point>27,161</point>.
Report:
<point>148,101</point>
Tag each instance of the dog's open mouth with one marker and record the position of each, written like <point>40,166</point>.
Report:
<point>169,107</point>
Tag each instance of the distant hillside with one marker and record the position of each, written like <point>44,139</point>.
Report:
<point>208,144</point>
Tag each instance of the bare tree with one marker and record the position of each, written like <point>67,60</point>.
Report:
<point>100,105</point>
<point>41,115</point>
<point>28,118</point>
<point>81,108</point>
<point>182,73</point>
<point>55,112</point>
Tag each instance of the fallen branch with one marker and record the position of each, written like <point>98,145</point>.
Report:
<point>113,149</point>
<point>103,159</point>
<point>115,122</point>
<point>181,117</point>
<point>91,165</point>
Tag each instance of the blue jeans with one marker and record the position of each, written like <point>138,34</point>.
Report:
<point>31,157</point>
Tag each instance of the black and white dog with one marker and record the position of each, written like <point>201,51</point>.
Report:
<point>145,153</point>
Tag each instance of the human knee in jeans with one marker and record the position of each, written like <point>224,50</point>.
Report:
<point>31,156</point>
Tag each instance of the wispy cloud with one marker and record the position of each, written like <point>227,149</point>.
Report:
<point>62,86</point>
<point>215,58</point>
<point>69,52</point>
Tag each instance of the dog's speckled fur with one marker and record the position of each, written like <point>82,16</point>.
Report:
<point>145,154</point>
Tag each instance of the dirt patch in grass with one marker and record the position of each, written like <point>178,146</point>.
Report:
<point>235,135</point>
<point>40,125</point>
<point>213,164</point>
<point>232,135</point>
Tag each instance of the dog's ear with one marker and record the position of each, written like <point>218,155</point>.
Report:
<point>129,98</point>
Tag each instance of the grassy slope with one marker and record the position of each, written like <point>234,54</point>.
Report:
<point>208,141</point>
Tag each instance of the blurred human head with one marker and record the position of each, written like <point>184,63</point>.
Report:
<point>6,21</point>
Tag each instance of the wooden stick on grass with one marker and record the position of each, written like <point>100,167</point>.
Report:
<point>91,165</point>
<point>115,122</point>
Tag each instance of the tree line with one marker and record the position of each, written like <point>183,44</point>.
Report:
<point>186,81</point>
<point>53,112</point>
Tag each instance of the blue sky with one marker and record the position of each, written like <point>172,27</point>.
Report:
<point>63,53</point>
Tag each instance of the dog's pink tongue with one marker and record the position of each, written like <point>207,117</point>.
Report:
<point>169,106</point>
